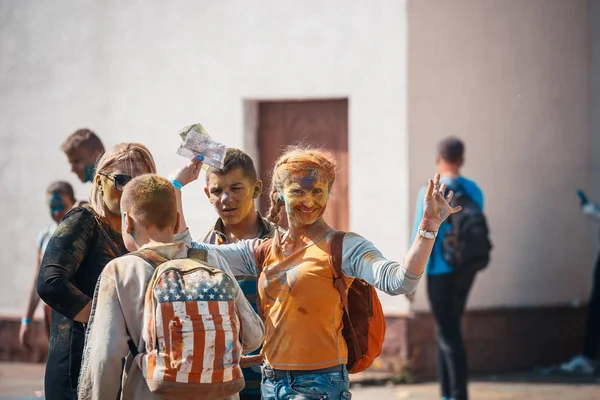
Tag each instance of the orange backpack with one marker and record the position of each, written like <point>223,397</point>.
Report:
<point>364,322</point>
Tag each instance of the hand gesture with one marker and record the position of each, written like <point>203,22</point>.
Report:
<point>436,204</point>
<point>189,172</point>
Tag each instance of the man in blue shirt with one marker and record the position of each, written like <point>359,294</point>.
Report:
<point>448,289</point>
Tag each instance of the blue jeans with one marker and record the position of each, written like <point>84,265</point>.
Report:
<point>329,386</point>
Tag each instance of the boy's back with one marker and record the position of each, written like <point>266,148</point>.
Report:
<point>118,312</point>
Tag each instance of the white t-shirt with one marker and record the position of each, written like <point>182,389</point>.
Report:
<point>44,236</point>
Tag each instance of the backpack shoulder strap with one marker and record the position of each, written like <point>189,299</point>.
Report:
<point>155,259</point>
<point>200,255</point>
<point>336,248</point>
<point>151,257</point>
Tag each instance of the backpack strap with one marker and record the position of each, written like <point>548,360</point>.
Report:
<point>154,259</point>
<point>200,255</point>
<point>151,257</point>
<point>336,247</point>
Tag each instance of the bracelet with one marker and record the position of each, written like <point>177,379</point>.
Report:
<point>427,235</point>
<point>176,184</point>
<point>25,321</point>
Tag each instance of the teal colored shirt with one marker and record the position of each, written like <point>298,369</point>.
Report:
<point>436,265</point>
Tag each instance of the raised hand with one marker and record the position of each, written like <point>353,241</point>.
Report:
<point>436,205</point>
<point>189,172</point>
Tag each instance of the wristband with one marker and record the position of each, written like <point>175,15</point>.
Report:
<point>426,234</point>
<point>176,184</point>
<point>25,321</point>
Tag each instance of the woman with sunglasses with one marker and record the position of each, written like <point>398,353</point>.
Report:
<point>86,239</point>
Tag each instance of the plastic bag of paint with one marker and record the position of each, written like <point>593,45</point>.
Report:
<point>196,141</point>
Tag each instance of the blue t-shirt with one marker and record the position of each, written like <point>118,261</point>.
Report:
<point>436,265</point>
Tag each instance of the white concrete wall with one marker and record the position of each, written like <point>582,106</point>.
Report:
<point>511,78</point>
<point>139,71</point>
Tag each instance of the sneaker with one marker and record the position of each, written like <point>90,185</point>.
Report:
<point>578,365</point>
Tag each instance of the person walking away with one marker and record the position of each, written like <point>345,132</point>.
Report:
<point>586,362</point>
<point>448,286</point>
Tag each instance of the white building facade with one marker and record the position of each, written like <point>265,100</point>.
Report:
<point>512,79</point>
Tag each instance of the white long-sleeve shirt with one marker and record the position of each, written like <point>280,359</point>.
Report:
<point>360,259</point>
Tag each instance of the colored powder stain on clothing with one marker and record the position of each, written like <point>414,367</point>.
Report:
<point>285,279</point>
<point>302,310</point>
<point>309,311</point>
<point>369,257</point>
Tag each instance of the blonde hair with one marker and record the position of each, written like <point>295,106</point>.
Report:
<point>296,159</point>
<point>150,200</point>
<point>134,158</point>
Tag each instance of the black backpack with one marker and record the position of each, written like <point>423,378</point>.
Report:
<point>467,245</point>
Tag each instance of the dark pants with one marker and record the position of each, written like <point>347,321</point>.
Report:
<point>447,297</point>
<point>592,328</point>
<point>64,357</point>
<point>249,396</point>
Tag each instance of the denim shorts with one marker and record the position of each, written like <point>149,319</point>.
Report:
<point>324,386</point>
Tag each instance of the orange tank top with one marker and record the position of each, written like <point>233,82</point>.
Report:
<point>302,310</point>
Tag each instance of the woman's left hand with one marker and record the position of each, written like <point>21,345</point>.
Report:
<point>436,205</point>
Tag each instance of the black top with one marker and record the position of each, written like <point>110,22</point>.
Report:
<point>73,261</point>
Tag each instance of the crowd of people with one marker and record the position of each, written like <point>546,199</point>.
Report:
<point>137,309</point>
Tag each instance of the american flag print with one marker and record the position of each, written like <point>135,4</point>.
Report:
<point>196,328</point>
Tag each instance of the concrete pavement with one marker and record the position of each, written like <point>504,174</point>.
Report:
<point>21,381</point>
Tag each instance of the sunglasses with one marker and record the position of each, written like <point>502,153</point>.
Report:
<point>119,180</point>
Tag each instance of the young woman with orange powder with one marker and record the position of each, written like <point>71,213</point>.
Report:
<point>305,354</point>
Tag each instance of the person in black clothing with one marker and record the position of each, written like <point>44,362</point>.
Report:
<point>85,241</point>
<point>587,362</point>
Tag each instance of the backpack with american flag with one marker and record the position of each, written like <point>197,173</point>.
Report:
<point>191,330</point>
